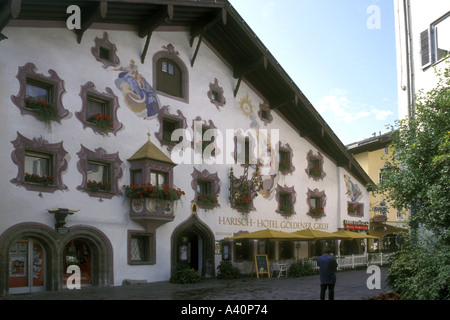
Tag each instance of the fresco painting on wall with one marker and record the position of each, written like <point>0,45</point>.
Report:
<point>138,95</point>
<point>353,190</point>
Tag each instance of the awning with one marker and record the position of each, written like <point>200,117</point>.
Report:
<point>350,235</point>
<point>319,235</point>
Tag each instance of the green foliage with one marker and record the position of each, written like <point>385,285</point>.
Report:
<point>418,175</point>
<point>227,271</point>
<point>421,272</point>
<point>301,268</point>
<point>184,274</point>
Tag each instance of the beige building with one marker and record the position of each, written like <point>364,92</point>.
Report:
<point>385,221</point>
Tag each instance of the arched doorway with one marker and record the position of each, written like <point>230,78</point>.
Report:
<point>78,252</point>
<point>27,266</point>
<point>193,243</point>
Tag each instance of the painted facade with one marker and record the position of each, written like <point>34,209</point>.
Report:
<point>104,230</point>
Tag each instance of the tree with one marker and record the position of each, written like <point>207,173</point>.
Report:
<point>417,177</point>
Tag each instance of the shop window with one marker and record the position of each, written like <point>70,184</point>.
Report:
<point>314,169</point>
<point>171,75</point>
<point>141,248</point>
<point>40,95</point>
<point>286,250</point>
<point>100,171</point>
<point>316,201</point>
<point>243,250</point>
<point>215,94</point>
<point>99,110</point>
<point>207,188</point>
<point>286,199</point>
<point>40,164</point>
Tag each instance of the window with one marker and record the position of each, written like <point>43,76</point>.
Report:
<point>265,114</point>
<point>38,168</point>
<point>286,199</point>
<point>242,250</point>
<point>99,110</point>
<point>101,173</point>
<point>355,209</point>
<point>40,164</point>
<point>136,177</point>
<point>215,94</point>
<point>207,188</point>
<point>40,95</point>
<point>141,248</point>
<point>315,166</point>
<point>285,165</point>
<point>105,52</point>
<point>158,178</point>
<point>169,78</point>
<point>168,123</point>
<point>285,203</point>
<point>435,41</point>
<point>169,126</point>
<point>38,90</point>
<point>316,201</point>
<point>98,177</point>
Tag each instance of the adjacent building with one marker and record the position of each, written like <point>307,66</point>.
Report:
<point>422,43</point>
<point>140,134</point>
<point>386,222</point>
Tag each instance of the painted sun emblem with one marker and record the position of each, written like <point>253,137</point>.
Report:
<point>246,105</point>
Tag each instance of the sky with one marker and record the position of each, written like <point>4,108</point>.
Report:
<point>340,53</point>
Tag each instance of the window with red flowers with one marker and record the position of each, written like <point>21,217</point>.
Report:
<point>99,110</point>
<point>316,201</point>
<point>206,186</point>
<point>100,171</point>
<point>355,209</point>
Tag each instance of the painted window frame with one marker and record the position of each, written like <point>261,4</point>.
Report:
<point>312,157</point>
<point>115,173</point>
<point>104,43</point>
<point>282,191</point>
<point>318,195</point>
<point>165,114</point>
<point>88,92</point>
<point>39,145</point>
<point>28,73</point>
<point>206,176</point>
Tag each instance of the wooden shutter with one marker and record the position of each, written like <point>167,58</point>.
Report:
<point>425,48</point>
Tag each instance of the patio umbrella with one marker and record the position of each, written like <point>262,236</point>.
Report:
<point>350,235</point>
<point>272,235</point>
<point>319,235</point>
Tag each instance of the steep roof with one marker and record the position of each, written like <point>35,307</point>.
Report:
<point>215,22</point>
<point>151,152</point>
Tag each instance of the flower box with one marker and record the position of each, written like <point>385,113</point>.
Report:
<point>45,111</point>
<point>95,186</point>
<point>207,200</point>
<point>101,121</point>
<point>42,180</point>
<point>316,211</point>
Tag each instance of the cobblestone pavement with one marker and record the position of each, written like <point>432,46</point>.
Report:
<point>350,285</point>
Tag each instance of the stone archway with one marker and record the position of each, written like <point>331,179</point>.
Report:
<point>193,242</point>
<point>100,249</point>
<point>46,237</point>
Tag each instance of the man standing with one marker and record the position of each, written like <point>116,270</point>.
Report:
<point>327,268</point>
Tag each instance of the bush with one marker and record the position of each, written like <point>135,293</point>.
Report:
<point>184,274</point>
<point>421,273</point>
<point>227,271</point>
<point>301,268</point>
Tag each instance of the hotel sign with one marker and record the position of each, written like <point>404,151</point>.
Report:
<point>272,224</point>
<point>356,225</point>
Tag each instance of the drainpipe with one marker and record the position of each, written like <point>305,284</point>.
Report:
<point>410,90</point>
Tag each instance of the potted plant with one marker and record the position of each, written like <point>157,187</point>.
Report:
<point>284,166</point>
<point>95,186</point>
<point>315,172</point>
<point>34,178</point>
<point>316,211</point>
